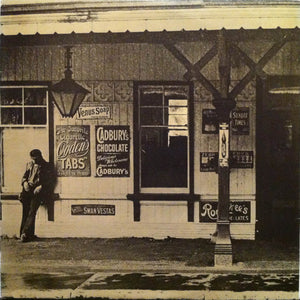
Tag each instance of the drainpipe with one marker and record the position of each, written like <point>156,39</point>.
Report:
<point>223,105</point>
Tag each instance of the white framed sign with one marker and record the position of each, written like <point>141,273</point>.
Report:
<point>92,110</point>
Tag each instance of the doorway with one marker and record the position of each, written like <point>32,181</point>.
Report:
<point>278,148</point>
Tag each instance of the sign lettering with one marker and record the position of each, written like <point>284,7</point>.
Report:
<point>239,211</point>
<point>73,150</point>
<point>112,151</point>
<point>93,210</point>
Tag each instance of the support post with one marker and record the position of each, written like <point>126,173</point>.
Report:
<point>223,105</point>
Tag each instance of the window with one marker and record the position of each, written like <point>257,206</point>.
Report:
<point>163,138</point>
<point>23,106</point>
<point>23,127</point>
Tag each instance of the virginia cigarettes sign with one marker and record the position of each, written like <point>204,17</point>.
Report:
<point>73,150</point>
<point>112,151</point>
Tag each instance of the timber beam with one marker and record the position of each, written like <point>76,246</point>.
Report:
<point>73,38</point>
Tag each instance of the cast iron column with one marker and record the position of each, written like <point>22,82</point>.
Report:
<point>223,105</point>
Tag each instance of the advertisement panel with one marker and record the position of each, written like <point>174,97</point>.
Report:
<point>239,211</point>
<point>112,151</point>
<point>73,150</point>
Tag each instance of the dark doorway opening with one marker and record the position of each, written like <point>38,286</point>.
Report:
<point>278,152</point>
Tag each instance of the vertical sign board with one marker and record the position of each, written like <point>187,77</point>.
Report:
<point>208,161</point>
<point>209,121</point>
<point>224,145</point>
<point>73,150</point>
<point>241,159</point>
<point>112,151</point>
<point>240,121</point>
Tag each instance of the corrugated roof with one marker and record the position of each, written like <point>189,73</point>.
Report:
<point>82,18</point>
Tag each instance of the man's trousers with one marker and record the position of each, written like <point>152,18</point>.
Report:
<point>30,203</point>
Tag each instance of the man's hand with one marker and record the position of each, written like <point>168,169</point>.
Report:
<point>37,189</point>
<point>26,186</point>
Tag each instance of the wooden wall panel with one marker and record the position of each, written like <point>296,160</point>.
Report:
<point>19,65</point>
<point>99,62</point>
<point>77,65</point>
<point>11,65</point>
<point>158,62</point>
<point>115,62</point>
<point>147,61</point>
<point>26,62</point>
<point>40,52</point>
<point>85,61</point>
<point>33,63</point>
<point>93,62</point>
<point>48,63</point>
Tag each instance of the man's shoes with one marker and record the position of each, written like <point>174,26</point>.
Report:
<point>23,238</point>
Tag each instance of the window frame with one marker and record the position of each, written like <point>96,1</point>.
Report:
<point>138,189</point>
<point>23,106</point>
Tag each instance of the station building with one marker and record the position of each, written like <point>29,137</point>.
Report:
<point>139,158</point>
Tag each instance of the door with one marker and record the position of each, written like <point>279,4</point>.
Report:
<point>278,167</point>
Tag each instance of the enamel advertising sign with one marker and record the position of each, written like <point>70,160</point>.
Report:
<point>112,151</point>
<point>73,150</point>
<point>239,211</point>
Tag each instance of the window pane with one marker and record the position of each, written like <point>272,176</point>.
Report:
<point>11,96</point>
<point>177,102</point>
<point>35,116</point>
<point>151,116</point>
<point>151,97</point>
<point>163,157</point>
<point>178,120</point>
<point>34,96</point>
<point>11,115</point>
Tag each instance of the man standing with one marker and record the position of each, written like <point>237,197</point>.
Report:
<point>37,182</point>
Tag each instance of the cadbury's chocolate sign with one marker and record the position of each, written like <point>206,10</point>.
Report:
<point>73,150</point>
<point>112,151</point>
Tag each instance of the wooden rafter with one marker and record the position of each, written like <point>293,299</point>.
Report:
<point>247,60</point>
<point>203,61</point>
<point>192,70</point>
<point>256,69</point>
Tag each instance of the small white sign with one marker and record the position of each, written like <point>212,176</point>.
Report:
<point>88,111</point>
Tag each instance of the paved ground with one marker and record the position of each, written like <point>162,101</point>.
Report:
<point>70,268</point>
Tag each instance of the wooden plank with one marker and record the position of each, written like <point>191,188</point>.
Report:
<point>133,61</point>
<point>40,63</point>
<point>11,68</point>
<point>19,66</point>
<point>108,62</point>
<point>85,62</point>
<point>147,58</point>
<point>48,63</point>
<point>123,62</point>
<point>99,62</point>
<point>33,63</point>
<point>115,62</point>
<point>247,60</point>
<point>77,65</point>
<point>26,63</point>
<point>93,60</point>
<point>3,63</point>
<point>56,68</point>
<point>158,62</point>
<point>203,61</point>
<point>189,66</point>
<point>259,66</point>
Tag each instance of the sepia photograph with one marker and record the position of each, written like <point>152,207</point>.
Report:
<point>150,149</point>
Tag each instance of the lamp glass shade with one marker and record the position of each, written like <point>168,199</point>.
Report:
<point>68,95</point>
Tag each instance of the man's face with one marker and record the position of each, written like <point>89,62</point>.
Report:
<point>36,159</point>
